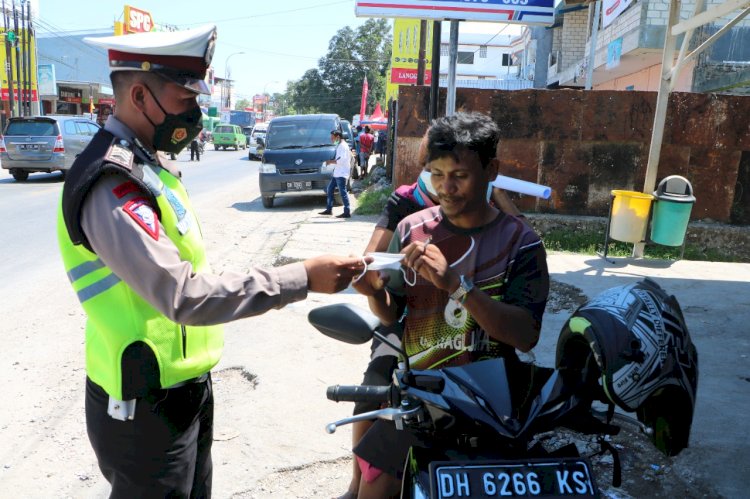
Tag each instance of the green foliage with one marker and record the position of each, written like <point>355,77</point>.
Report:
<point>336,85</point>
<point>372,202</point>
<point>242,104</point>
<point>589,242</point>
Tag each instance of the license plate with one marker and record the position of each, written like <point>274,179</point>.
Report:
<point>298,186</point>
<point>28,147</point>
<point>568,477</point>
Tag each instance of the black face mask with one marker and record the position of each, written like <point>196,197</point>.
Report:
<point>177,130</point>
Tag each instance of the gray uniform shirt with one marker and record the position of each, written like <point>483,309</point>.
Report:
<point>152,266</point>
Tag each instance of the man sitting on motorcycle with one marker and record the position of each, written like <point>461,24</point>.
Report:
<point>474,286</point>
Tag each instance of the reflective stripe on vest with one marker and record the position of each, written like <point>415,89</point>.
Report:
<point>118,316</point>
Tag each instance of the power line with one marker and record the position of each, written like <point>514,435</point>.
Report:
<point>309,7</point>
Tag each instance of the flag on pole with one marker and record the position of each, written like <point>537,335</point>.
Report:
<point>363,105</point>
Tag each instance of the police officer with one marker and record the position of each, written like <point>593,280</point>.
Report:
<point>134,255</point>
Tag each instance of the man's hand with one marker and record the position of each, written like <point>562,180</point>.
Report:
<point>370,283</point>
<point>331,273</point>
<point>428,261</point>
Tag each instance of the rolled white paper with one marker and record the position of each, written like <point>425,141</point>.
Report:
<point>521,186</point>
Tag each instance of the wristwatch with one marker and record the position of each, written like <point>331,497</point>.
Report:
<point>464,287</point>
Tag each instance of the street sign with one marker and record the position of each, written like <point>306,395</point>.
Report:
<point>530,12</point>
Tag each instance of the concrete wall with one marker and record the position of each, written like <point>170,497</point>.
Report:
<point>574,35</point>
<point>647,79</point>
<point>584,144</point>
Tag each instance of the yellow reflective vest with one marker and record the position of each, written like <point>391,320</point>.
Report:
<point>118,316</point>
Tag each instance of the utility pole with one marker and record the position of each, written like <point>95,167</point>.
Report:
<point>8,60</point>
<point>18,60</point>
<point>421,57</point>
<point>437,27</point>
<point>29,60</point>
<point>23,64</point>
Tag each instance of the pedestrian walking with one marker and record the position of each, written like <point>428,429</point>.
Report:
<point>133,252</point>
<point>340,175</point>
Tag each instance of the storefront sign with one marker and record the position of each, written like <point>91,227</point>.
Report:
<point>539,12</point>
<point>137,20</point>
<point>5,94</point>
<point>68,94</point>
<point>409,76</point>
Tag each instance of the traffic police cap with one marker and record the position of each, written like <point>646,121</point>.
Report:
<point>180,56</point>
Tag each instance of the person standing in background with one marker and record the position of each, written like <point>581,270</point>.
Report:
<point>366,142</point>
<point>342,160</point>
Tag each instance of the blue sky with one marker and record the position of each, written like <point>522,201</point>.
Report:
<point>280,39</point>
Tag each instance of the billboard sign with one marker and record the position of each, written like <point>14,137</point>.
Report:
<point>137,20</point>
<point>532,12</point>
<point>405,52</point>
<point>47,80</point>
<point>611,9</point>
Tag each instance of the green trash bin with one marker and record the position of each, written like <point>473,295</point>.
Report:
<point>674,202</point>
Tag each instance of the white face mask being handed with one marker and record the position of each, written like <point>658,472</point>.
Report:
<point>387,261</point>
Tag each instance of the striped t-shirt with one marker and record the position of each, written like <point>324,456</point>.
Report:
<point>505,259</point>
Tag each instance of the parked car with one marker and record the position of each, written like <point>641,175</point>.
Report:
<point>226,135</point>
<point>254,149</point>
<point>348,134</point>
<point>44,143</point>
<point>296,150</point>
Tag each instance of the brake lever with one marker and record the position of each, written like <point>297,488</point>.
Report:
<point>389,413</point>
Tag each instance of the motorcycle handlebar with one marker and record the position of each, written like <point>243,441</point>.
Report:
<point>358,393</point>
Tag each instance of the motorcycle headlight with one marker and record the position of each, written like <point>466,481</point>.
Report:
<point>327,168</point>
<point>267,168</point>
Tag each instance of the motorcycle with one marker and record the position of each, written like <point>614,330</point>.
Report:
<point>484,437</point>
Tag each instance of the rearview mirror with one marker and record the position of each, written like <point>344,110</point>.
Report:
<point>344,322</point>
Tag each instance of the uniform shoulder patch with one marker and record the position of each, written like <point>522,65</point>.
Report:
<point>119,155</point>
<point>124,189</point>
<point>144,215</point>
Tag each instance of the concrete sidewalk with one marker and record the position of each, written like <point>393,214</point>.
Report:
<point>715,298</point>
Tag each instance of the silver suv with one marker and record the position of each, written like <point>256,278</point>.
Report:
<point>44,143</point>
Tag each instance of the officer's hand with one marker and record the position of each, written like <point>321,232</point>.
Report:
<point>331,273</point>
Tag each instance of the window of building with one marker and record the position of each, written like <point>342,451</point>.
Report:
<point>507,60</point>
<point>483,51</point>
<point>443,50</point>
<point>465,58</point>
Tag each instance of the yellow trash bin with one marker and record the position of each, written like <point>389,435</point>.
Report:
<point>630,210</point>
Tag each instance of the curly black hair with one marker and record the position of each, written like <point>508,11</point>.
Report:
<point>451,135</point>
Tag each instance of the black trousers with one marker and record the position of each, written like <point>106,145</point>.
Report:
<point>195,152</point>
<point>165,451</point>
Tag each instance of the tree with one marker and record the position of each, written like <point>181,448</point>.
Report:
<point>336,85</point>
<point>242,104</point>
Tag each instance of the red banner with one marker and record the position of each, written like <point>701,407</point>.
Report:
<point>407,75</point>
<point>5,93</point>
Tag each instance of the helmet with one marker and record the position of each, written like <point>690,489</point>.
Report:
<point>633,339</point>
